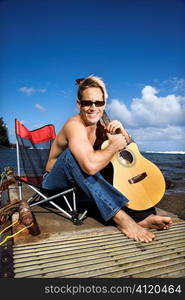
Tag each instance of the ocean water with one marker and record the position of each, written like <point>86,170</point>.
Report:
<point>172,165</point>
<point>8,158</point>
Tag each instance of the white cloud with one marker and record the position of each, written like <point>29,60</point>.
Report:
<point>30,91</point>
<point>41,90</point>
<point>152,118</point>
<point>26,90</point>
<point>39,107</point>
<point>174,84</point>
<point>170,138</point>
<point>151,110</point>
<point>149,92</point>
<point>120,110</point>
<point>175,133</point>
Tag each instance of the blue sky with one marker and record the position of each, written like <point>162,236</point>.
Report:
<point>136,46</point>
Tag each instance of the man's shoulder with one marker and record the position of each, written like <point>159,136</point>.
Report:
<point>73,124</point>
<point>73,121</point>
<point>74,118</point>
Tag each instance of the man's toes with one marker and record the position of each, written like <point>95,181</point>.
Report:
<point>168,221</point>
<point>149,236</point>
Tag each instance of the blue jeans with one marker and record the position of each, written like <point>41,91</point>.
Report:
<point>66,171</point>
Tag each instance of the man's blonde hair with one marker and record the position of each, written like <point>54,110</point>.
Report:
<point>91,81</point>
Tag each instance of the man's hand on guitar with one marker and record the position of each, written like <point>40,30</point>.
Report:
<point>114,127</point>
<point>117,141</point>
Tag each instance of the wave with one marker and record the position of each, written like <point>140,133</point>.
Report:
<point>166,152</point>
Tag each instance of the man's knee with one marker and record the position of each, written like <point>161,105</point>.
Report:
<point>66,156</point>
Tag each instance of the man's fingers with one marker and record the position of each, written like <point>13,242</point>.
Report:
<point>113,125</point>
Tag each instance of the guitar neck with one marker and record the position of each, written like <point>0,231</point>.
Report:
<point>105,118</point>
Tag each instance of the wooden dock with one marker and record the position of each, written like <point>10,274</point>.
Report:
<point>93,250</point>
<point>103,254</point>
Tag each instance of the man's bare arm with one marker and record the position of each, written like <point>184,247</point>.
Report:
<point>91,161</point>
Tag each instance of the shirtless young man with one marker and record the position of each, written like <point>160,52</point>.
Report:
<point>73,158</point>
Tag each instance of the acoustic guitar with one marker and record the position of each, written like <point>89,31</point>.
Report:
<point>137,178</point>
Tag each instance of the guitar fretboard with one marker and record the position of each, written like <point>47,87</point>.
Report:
<point>105,118</point>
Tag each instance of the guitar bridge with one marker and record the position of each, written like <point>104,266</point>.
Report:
<point>137,178</point>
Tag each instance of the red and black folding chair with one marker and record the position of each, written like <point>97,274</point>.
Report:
<point>32,154</point>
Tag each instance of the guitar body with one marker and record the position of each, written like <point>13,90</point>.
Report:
<point>138,179</point>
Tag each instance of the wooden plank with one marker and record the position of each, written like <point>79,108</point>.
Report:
<point>106,255</point>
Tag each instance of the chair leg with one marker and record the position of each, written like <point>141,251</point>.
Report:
<point>76,219</point>
<point>33,198</point>
<point>60,209</point>
<point>73,214</point>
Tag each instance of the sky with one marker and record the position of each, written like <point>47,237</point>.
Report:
<point>136,46</point>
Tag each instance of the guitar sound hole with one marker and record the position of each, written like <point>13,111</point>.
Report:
<point>126,157</point>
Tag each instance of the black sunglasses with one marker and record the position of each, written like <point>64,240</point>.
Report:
<point>97,103</point>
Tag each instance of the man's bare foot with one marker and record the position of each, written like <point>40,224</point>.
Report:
<point>131,229</point>
<point>156,222</point>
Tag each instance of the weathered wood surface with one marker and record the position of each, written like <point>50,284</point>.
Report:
<point>95,250</point>
<point>104,254</point>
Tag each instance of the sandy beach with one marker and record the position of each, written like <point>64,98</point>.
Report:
<point>174,203</point>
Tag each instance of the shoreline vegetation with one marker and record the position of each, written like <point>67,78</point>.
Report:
<point>4,137</point>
